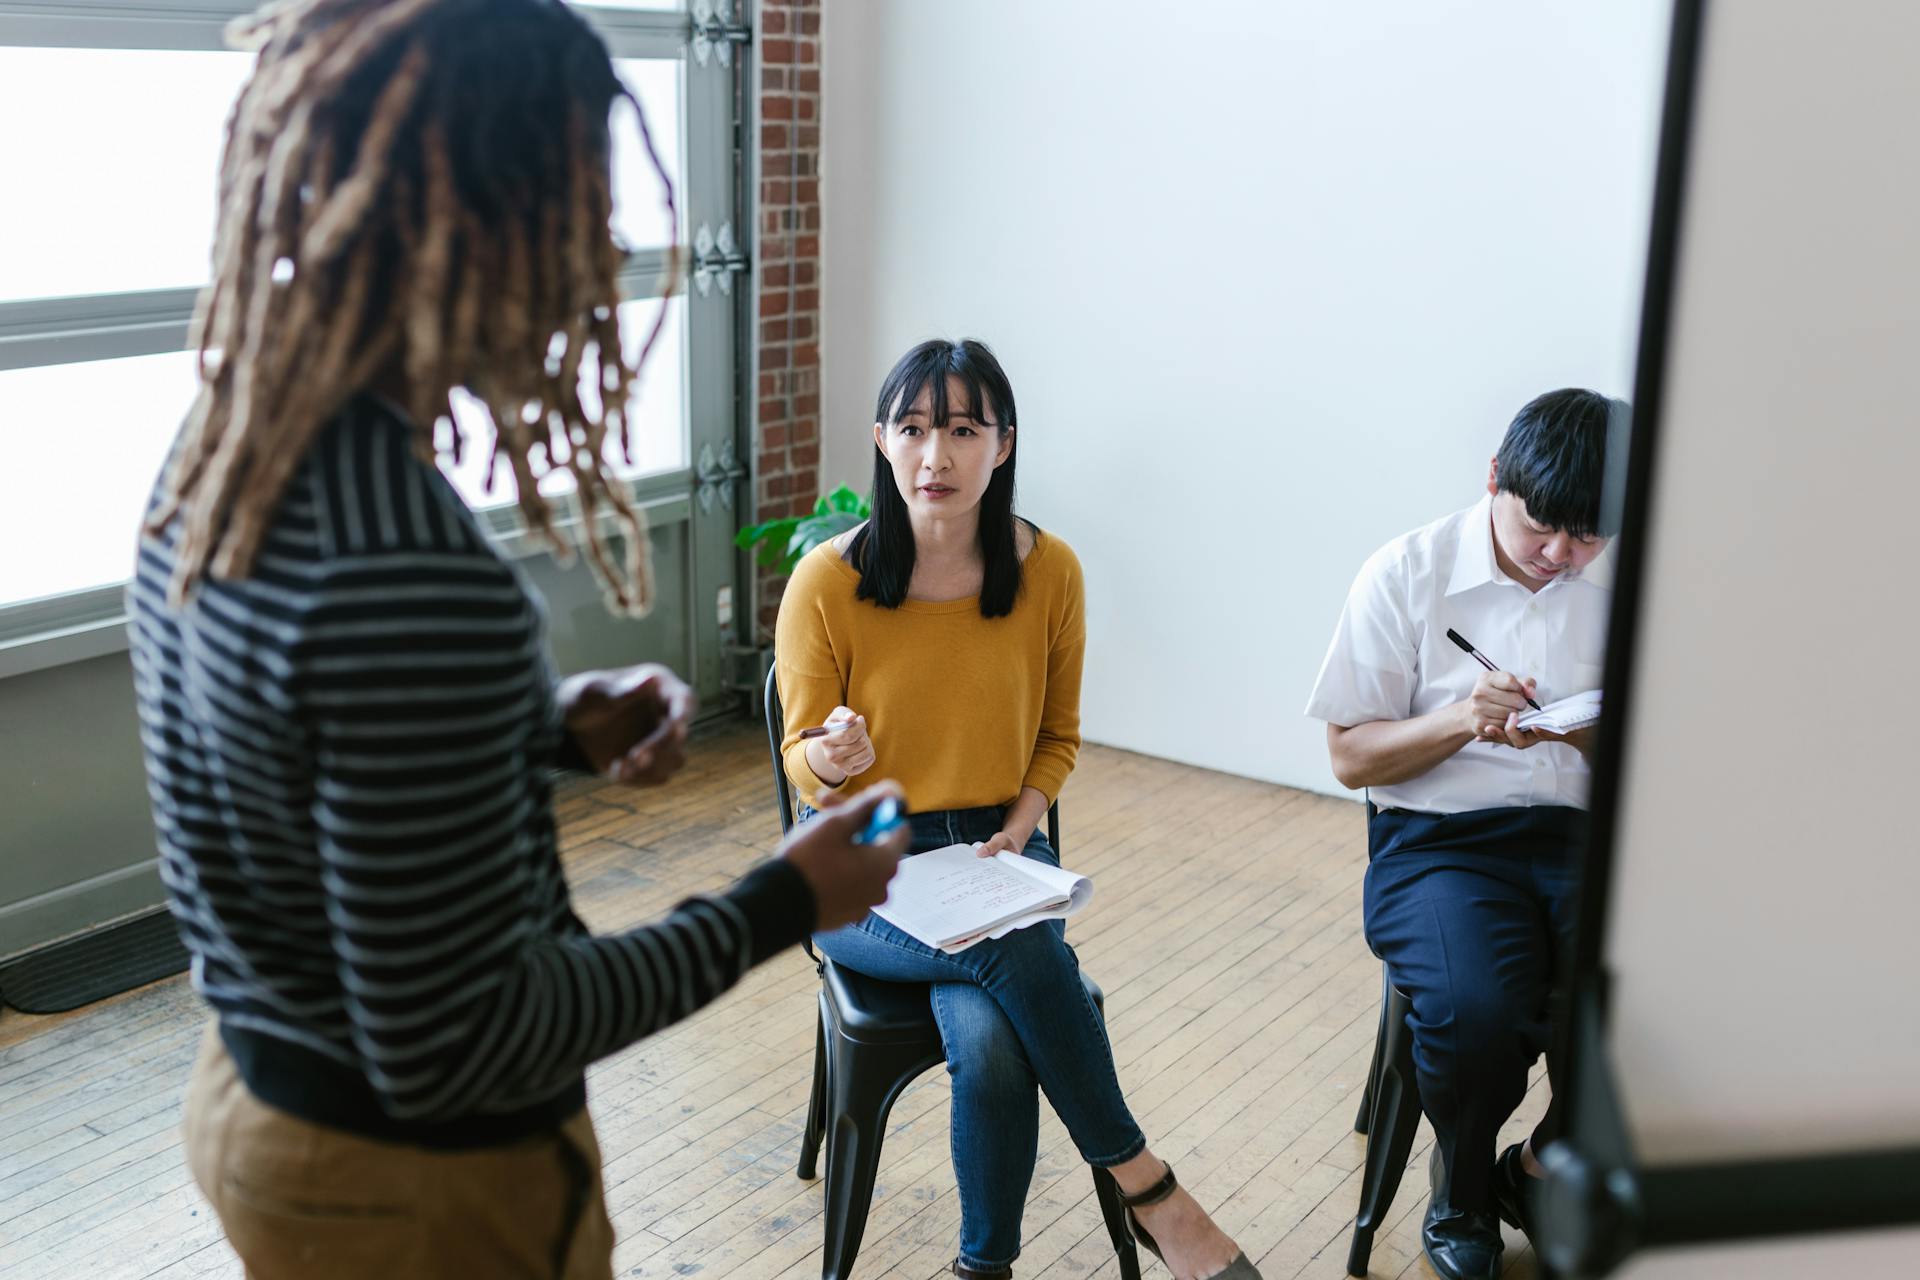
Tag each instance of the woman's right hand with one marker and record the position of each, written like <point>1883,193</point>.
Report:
<point>848,880</point>
<point>845,753</point>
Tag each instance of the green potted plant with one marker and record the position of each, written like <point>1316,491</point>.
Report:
<point>780,543</point>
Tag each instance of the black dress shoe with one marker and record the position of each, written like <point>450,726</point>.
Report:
<point>1514,1190</point>
<point>1460,1244</point>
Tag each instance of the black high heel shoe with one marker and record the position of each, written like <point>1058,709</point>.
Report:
<point>1239,1269</point>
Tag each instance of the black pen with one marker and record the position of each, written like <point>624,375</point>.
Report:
<point>1481,658</point>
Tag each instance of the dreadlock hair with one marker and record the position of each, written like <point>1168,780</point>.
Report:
<point>420,185</point>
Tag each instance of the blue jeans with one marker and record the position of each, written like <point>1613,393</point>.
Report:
<point>1013,1015</point>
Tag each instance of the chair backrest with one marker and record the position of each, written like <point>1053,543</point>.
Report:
<point>776,730</point>
<point>783,787</point>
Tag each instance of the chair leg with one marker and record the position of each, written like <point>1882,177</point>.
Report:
<point>1107,1190</point>
<point>1391,1130</point>
<point>816,1104</point>
<point>862,1082</point>
<point>1108,1193</point>
<point>1364,1121</point>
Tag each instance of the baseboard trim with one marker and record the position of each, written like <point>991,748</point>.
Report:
<point>94,965</point>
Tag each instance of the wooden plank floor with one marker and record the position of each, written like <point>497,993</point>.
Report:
<point>1242,1004</point>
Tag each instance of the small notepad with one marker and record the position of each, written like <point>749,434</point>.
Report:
<point>953,898</point>
<point>1566,715</point>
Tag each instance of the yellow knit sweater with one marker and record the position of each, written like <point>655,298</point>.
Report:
<point>963,710</point>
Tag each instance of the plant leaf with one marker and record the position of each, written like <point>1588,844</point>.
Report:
<point>768,537</point>
<point>782,543</point>
<point>818,529</point>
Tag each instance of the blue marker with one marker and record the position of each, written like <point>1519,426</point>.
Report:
<point>887,817</point>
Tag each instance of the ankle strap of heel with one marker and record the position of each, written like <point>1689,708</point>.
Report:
<point>1154,1194</point>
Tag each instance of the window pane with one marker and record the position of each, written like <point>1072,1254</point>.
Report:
<point>638,215</point>
<point>657,427</point>
<point>84,443</point>
<point>114,189</point>
<point>111,161</point>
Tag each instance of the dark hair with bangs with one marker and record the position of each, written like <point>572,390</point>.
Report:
<point>883,549</point>
<point>1553,458</point>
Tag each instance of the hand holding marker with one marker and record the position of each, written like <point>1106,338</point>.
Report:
<point>848,852</point>
<point>888,816</point>
<point>840,748</point>
<point>821,731</point>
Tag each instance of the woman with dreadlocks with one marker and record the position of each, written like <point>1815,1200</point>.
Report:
<point>347,706</point>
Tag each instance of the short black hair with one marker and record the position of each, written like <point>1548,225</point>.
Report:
<point>1553,458</point>
<point>883,549</point>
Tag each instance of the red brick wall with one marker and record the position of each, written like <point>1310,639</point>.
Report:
<point>787,266</point>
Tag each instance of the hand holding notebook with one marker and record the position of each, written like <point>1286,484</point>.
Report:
<point>952,898</point>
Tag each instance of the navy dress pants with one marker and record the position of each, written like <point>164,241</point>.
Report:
<point>1471,913</point>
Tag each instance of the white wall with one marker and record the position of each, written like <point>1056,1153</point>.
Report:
<point>1269,276</point>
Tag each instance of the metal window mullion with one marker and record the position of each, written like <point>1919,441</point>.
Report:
<point>91,623</point>
<point>642,276</point>
<point>661,497</point>
<point>44,331</point>
<point>640,33</point>
<point>69,611</point>
<point>666,45</point>
<point>188,25</point>
<point>185,25</point>
<point>711,181</point>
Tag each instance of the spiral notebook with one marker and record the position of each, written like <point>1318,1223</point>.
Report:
<point>1566,715</point>
<point>953,898</point>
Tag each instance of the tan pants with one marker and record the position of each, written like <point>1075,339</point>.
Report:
<point>298,1200</point>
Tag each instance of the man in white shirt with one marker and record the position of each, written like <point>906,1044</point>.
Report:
<point>1473,851</point>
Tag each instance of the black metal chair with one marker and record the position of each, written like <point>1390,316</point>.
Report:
<point>1389,1116</point>
<point>873,1039</point>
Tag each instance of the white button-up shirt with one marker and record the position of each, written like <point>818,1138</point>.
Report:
<point>1391,660</point>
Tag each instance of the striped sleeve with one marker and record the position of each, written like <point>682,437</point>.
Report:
<point>467,982</point>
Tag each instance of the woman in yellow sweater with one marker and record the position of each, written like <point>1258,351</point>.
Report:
<point>944,637</point>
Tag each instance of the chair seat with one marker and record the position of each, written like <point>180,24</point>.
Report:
<point>880,1012</point>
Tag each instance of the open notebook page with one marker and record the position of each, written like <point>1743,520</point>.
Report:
<point>1565,715</point>
<point>951,898</point>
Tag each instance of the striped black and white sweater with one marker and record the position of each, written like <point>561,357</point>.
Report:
<point>347,755</point>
